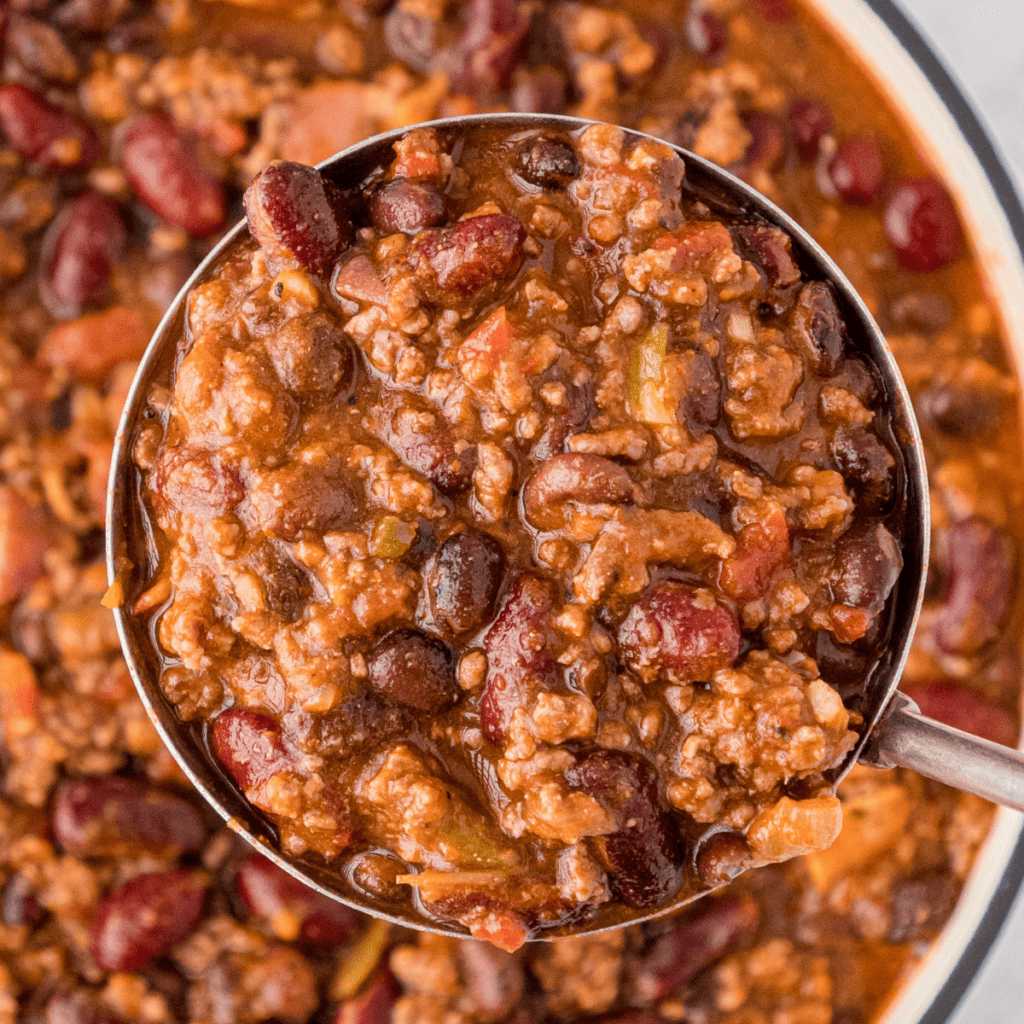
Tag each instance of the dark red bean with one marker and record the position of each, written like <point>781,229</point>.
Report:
<point>856,171</point>
<point>865,567</point>
<point>91,16</point>
<point>463,580</point>
<point>361,721</point>
<point>40,51</point>
<point>19,905</point>
<point>548,163</point>
<point>810,120</point>
<point>570,418</point>
<point>113,817</point>
<point>780,11</point>
<point>80,248</point>
<point>645,856</point>
<point>313,357</point>
<point>373,1005</point>
<point>772,250</point>
<point>414,670</point>
<point>412,38</point>
<point>404,205</point>
<point>76,1007</point>
<point>927,312</point>
<point>922,225</point>
<point>297,216</point>
<point>818,326</point>
<point>494,980</point>
<point>671,633</point>
<point>163,170</point>
<point>767,141</point>
<point>706,33</point>
<point>301,498</point>
<point>469,261</point>
<point>581,478</point>
<point>272,894</point>
<point>978,586</point>
<point>963,708</point>
<point>540,89</point>
<point>197,481</point>
<point>248,744</point>
<point>520,662</point>
<point>45,133</point>
<point>431,453</point>
<point>485,55</point>
<point>866,464</point>
<point>700,937</point>
<point>919,907</point>
<point>145,918</point>
<point>287,584</point>
<point>960,410</point>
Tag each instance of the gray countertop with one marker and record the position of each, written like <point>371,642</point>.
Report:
<point>983,45</point>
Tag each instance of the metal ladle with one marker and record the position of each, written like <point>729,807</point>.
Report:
<point>895,733</point>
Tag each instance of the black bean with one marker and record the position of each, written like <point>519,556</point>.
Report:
<point>819,327</point>
<point>866,464</point>
<point>414,670</point>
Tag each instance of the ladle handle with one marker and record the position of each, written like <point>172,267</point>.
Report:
<point>905,738</point>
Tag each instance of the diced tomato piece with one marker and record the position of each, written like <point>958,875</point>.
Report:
<point>848,623</point>
<point>696,244</point>
<point>762,552</point>
<point>488,343</point>
<point>501,929</point>
<point>19,695</point>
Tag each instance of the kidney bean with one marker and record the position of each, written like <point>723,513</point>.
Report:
<point>978,586</point>
<point>287,584</point>
<point>571,417</point>
<point>767,141</point>
<point>919,907</point>
<point>164,172</point>
<point>520,661</point>
<point>431,453</point>
<point>676,632</point>
<point>248,744</point>
<point>706,33</point>
<point>700,937</point>
<point>412,38</point>
<point>865,567</point>
<point>810,120</point>
<point>297,216</point>
<point>866,464</point>
<point>45,133</point>
<point>19,905</point>
<point>363,720</point>
<point>112,817</point>
<point>312,357</point>
<point>771,249</point>
<point>780,11</point>
<point>469,261</point>
<point>548,163</point>
<point>584,479</point>
<point>80,248</point>
<point>76,1007</point>
<point>39,49</point>
<point>289,906</point>
<point>374,1004</point>
<point>922,225</point>
<point>856,171</point>
<point>300,498</point>
<point>485,55</point>
<point>404,205</point>
<point>494,980</point>
<point>645,856</point>
<point>928,312</point>
<point>540,89</point>
<point>963,708</point>
<point>91,16</point>
<point>25,534</point>
<point>463,580</point>
<point>960,410</point>
<point>199,481</point>
<point>145,917</point>
<point>762,552</point>
<point>414,670</point>
<point>819,328</point>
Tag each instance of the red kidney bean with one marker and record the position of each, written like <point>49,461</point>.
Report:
<point>364,719</point>
<point>45,133</point>
<point>485,55</point>
<point>404,205</point>
<point>431,453</point>
<point>582,478</point>
<point>373,1005</point>
<point>547,163</point>
<point>113,817</point>
<point>810,120</point>
<point>468,261</point>
<point>780,11</point>
<point>772,250</point>
<point>494,980</point>
<point>819,327</point>
<point>91,16</point>
<point>960,410</point>
<point>39,49</point>
<point>249,745</point>
<point>963,708</point>
<point>163,170</point>
<point>541,89</point>
<point>865,567</point>
<point>978,586</point>
<point>19,905</point>
<point>645,855</point>
<point>270,893</point>
<point>919,907</point>
<point>856,171</point>
<point>675,632</point>
<point>312,356</point>
<point>80,248</point>
<point>767,141</point>
<point>300,498</point>
<point>145,917</point>
<point>762,552</point>
<point>297,216</point>
<point>705,32</point>
<point>922,225</point>
<point>700,937</point>
<point>520,662</point>
<point>866,464</point>
<point>463,580</point>
<point>198,480</point>
<point>414,670</point>
<point>412,38</point>
<point>571,418</point>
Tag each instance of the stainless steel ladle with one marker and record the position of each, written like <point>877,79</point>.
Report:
<point>895,733</point>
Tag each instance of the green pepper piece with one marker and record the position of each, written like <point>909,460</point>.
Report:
<point>392,537</point>
<point>361,961</point>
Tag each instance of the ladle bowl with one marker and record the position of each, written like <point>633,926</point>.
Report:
<point>893,732</point>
